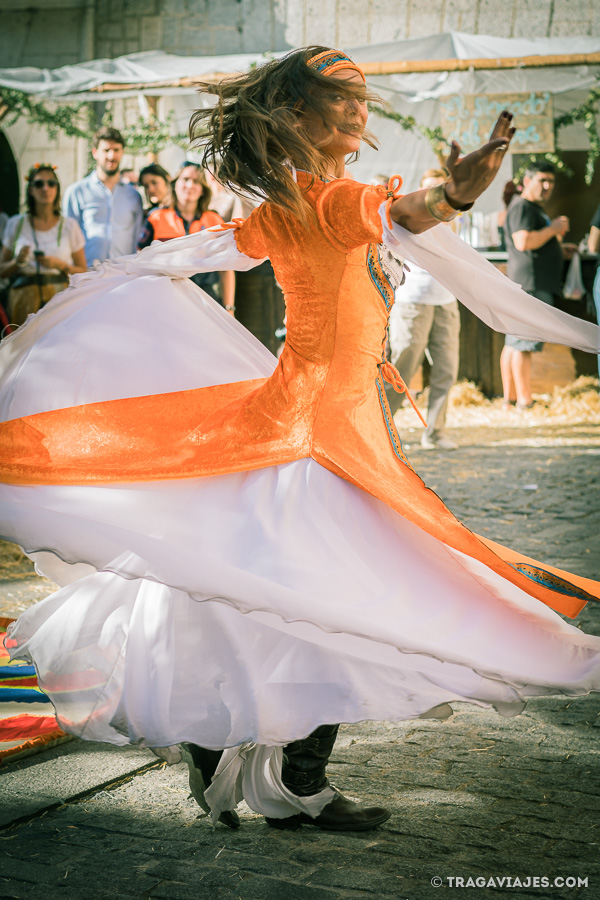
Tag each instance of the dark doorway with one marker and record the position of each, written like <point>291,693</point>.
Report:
<point>9,178</point>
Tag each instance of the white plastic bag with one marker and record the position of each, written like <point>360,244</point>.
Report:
<point>574,289</point>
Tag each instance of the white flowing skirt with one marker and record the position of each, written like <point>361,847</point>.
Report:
<point>250,606</point>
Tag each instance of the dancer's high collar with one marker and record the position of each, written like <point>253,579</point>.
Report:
<point>331,61</point>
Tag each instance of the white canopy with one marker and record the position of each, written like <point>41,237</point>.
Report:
<point>410,92</point>
<point>415,87</point>
<point>152,68</point>
<point>155,71</point>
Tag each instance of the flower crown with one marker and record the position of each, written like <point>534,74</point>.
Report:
<point>36,167</point>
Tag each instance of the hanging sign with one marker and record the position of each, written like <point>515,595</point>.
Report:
<point>469,119</point>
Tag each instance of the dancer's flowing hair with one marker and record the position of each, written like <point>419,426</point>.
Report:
<point>254,133</point>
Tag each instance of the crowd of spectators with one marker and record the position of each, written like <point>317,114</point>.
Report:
<point>185,210</point>
<point>103,216</point>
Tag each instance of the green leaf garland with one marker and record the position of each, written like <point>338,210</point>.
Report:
<point>433,136</point>
<point>72,120</point>
<point>151,135</point>
<point>146,135</point>
<point>586,113</point>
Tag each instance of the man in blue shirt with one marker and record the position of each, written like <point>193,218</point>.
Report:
<point>108,210</point>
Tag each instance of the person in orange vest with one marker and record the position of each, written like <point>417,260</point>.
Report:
<point>188,213</point>
<point>156,182</point>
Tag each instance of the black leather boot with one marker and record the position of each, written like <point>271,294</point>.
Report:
<point>303,773</point>
<point>202,765</point>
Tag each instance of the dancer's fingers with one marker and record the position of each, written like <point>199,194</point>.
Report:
<point>453,157</point>
<point>502,126</point>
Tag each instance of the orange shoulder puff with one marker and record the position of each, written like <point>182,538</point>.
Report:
<point>349,213</point>
<point>249,238</point>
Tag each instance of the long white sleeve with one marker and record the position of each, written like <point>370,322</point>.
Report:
<point>490,295</point>
<point>134,326</point>
<point>205,251</point>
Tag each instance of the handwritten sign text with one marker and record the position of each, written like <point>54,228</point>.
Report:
<point>469,119</point>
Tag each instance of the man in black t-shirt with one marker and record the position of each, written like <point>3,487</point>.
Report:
<point>535,261</point>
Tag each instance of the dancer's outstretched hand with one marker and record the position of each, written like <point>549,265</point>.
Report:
<point>471,175</point>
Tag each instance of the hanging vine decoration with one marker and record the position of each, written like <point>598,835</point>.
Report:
<point>553,157</point>
<point>146,135</point>
<point>591,126</point>
<point>151,135</point>
<point>434,136</point>
<point>72,119</point>
<point>585,113</point>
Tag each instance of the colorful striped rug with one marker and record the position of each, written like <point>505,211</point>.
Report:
<point>27,722</point>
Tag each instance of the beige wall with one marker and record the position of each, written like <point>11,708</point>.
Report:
<point>55,32</point>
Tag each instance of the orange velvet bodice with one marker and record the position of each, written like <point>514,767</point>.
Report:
<point>325,399</point>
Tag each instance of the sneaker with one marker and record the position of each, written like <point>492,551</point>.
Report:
<point>440,443</point>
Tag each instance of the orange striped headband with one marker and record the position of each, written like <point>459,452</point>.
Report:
<point>330,61</point>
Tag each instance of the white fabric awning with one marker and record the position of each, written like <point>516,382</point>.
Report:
<point>156,72</point>
<point>523,65</point>
<point>152,68</point>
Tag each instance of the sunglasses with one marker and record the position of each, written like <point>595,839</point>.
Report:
<point>41,182</point>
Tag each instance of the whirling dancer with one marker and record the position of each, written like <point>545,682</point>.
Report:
<point>246,554</point>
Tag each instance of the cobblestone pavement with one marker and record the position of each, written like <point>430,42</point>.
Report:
<point>477,796</point>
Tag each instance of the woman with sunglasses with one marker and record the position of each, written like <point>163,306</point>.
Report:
<point>261,559</point>
<point>188,213</point>
<point>40,248</point>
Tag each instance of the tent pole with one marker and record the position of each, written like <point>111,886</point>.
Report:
<point>398,67</point>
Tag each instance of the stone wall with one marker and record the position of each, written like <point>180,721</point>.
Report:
<point>191,27</point>
<point>46,35</point>
<point>55,32</point>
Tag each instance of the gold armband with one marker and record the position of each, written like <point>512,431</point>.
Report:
<point>436,203</point>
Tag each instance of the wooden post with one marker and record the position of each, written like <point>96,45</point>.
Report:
<point>152,102</point>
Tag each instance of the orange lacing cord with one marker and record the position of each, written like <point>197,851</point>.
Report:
<point>226,226</point>
<point>393,192</point>
<point>393,377</point>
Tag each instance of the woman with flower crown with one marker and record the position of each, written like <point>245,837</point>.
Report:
<point>40,248</point>
<point>246,554</point>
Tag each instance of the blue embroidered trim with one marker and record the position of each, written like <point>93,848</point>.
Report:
<point>386,292</point>
<point>552,581</point>
<point>389,422</point>
<point>379,278</point>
